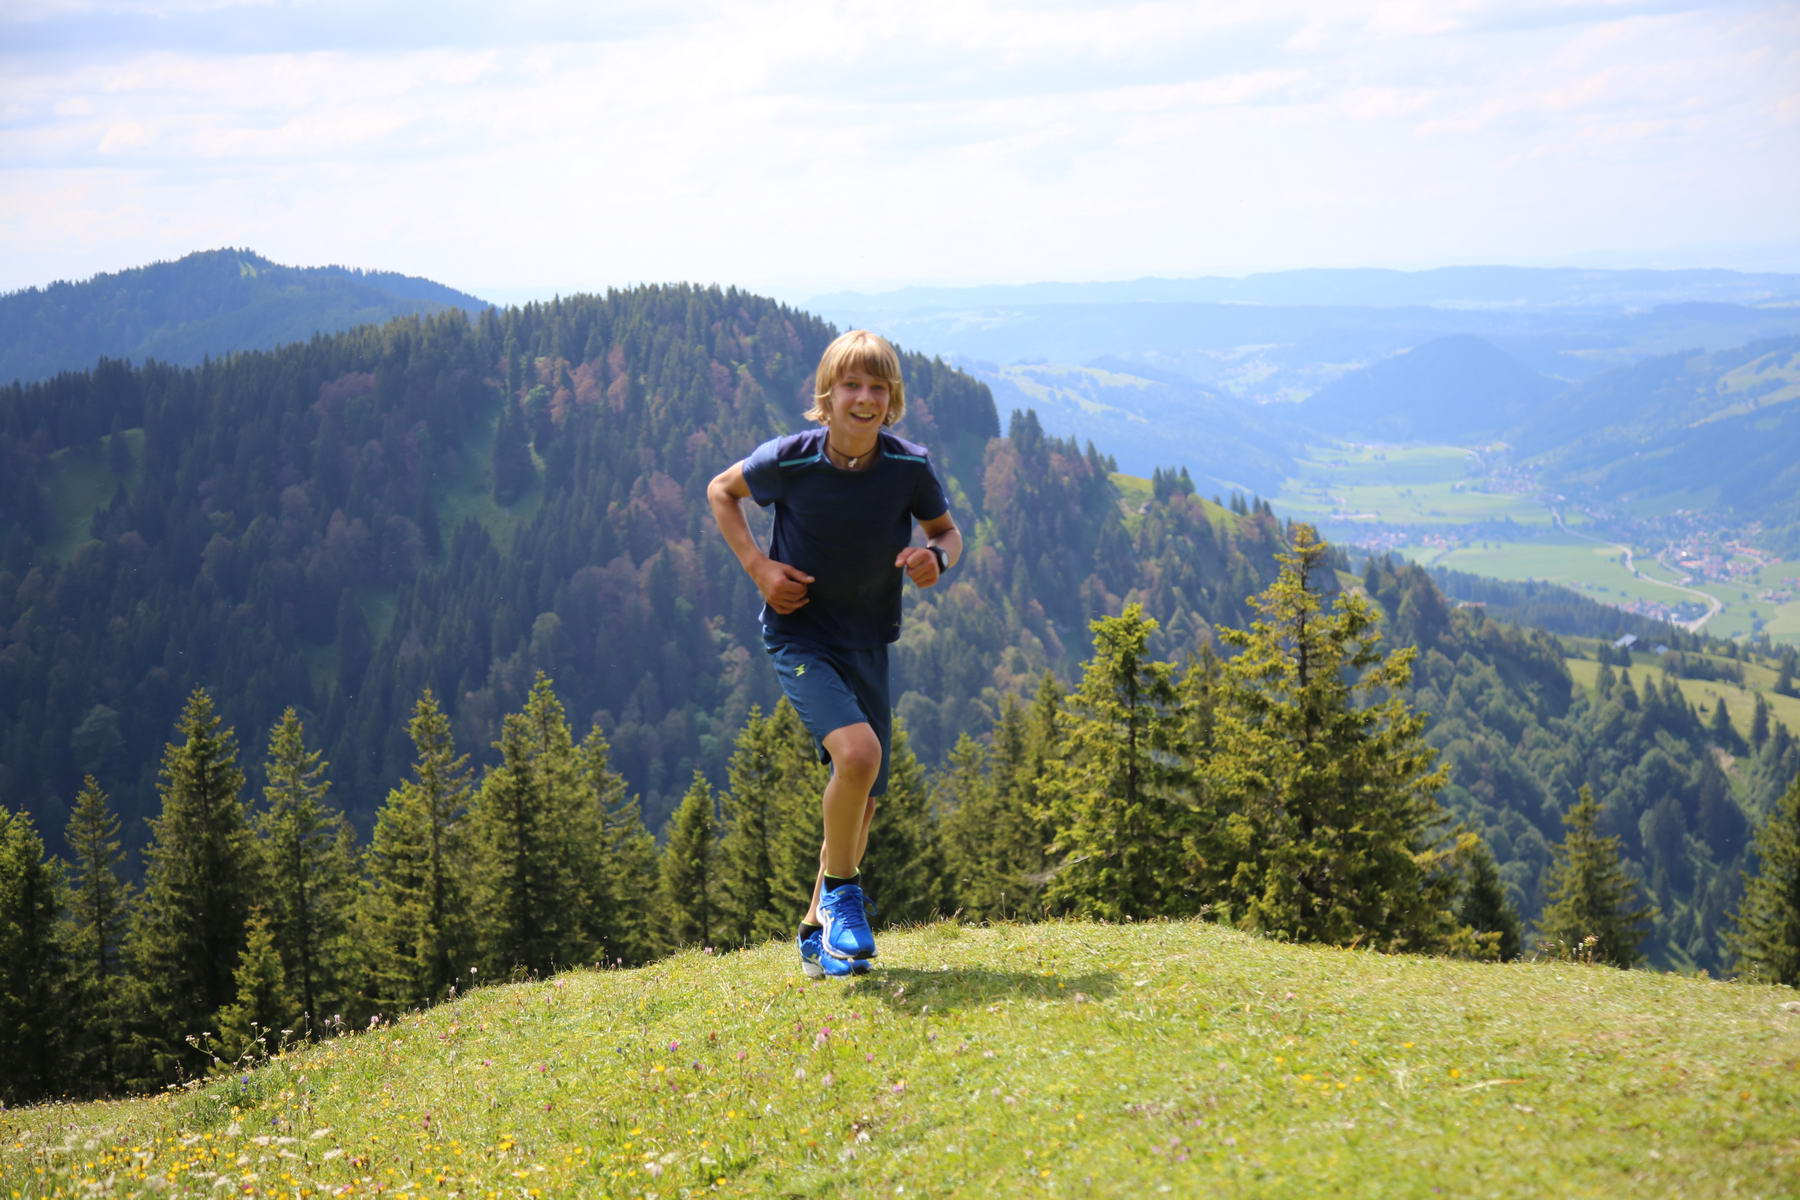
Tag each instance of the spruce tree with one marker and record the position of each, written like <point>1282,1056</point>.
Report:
<point>1119,785</point>
<point>1721,728</point>
<point>539,844</point>
<point>257,1021</point>
<point>903,870</point>
<point>1330,789</point>
<point>1759,723</point>
<point>769,854</point>
<point>309,865</point>
<point>413,920</point>
<point>625,913</point>
<point>1591,894</point>
<point>967,798</point>
<point>1766,926</point>
<point>1484,908</point>
<point>994,825</point>
<point>200,871</point>
<point>34,971</point>
<point>99,910</point>
<point>688,867</point>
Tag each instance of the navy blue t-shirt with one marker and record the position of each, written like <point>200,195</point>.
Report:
<point>844,528</point>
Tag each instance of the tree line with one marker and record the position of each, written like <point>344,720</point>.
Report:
<point>1287,789</point>
<point>460,504</point>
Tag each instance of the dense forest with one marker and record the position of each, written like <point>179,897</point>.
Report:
<point>460,504</point>
<point>213,302</point>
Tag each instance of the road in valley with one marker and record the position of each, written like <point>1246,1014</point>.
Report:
<point>1713,604</point>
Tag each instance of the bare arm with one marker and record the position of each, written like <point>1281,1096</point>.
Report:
<point>782,586</point>
<point>920,563</point>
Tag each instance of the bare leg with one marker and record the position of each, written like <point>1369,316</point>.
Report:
<point>862,848</point>
<point>848,808</point>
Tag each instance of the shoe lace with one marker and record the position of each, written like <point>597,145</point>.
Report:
<point>847,907</point>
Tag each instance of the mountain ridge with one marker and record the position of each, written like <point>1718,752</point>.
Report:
<point>207,303</point>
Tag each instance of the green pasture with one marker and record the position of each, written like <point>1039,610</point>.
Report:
<point>1401,485</point>
<point>1588,567</point>
<point>81,484</point>
<point>1745,606</point>
<point>1705,694</point>
<point>1063,1059</point>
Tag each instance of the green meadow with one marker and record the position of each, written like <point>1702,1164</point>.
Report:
<point>1704,694</point>
<point>1747,610</point>
<point>1401,485</point>
<point>1063,1059</point>
<point>1438,493</point>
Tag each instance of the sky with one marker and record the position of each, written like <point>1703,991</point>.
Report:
<point>538,147</point>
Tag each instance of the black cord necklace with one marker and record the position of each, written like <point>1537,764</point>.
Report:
<point>850,463</point>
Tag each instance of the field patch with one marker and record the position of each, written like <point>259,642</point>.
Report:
<point>1403,485</point>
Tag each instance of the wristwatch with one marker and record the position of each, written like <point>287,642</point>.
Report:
<point>943,559</point>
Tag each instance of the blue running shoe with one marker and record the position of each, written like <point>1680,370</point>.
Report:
<point>846,926</point>
<point>818,965</point>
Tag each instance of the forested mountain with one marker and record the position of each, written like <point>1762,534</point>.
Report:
<point>1719,429</point>
<point>1457,389</point>
<point>209,303</point>
<point>462,503</point>
<point>1148,418</point>
<point>1681,789</point>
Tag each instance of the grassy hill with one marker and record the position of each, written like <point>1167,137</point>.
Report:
<point>1059,1059</point>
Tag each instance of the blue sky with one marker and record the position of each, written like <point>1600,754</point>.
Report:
<point>539,147</point>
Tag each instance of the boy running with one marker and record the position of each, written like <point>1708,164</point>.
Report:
<point>846,495</point>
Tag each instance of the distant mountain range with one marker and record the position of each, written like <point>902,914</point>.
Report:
<point>1445,287</point>
<point>1147,419</point>
<point>209,303</point>
<point>1451,389</point>
<point>1718,430</point>
<point>1283,337</point>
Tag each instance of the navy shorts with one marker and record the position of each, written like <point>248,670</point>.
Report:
<point>831,687</point>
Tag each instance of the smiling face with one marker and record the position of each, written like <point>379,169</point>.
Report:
<point>858,359</point>
<point>859,406</point>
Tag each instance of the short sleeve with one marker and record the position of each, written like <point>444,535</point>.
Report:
<point>762,472</point>
<point>928,501</point>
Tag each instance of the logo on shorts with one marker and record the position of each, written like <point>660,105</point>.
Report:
<point>799,670</point>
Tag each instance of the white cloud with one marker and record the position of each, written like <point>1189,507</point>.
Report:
<point>749,142</point>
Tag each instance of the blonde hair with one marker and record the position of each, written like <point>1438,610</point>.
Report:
<point>858,350</point>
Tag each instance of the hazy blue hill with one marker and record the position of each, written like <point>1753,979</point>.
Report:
<point>1486,287</point>
<point>1147,419</point>
<point>1451,389</point>
<point>1626,409</point>
<point>1719,428</point>
<point>209,303</point>
<point>1267,352</point>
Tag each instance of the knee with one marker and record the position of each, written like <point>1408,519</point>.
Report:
<point>857,755</point>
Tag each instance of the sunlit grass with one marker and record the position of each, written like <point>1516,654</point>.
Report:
<point>1062,1059</point>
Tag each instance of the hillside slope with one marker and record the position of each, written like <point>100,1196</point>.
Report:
<point>1451,389</point>
<point>1719,430</point>
<point>212,302</point>
<point>1058,1059</point>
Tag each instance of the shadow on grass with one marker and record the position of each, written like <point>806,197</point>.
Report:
<point>908,989</point>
